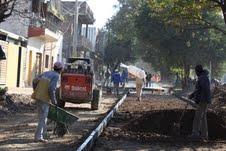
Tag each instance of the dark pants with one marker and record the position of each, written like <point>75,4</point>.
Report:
<point>200,127</point>
<point>116,88</point>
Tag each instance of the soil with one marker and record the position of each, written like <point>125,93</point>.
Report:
<point>152,124</point>
<point>19,122</point>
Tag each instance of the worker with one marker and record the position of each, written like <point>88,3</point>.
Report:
<point>44,87</point>
<point>116,79</point>
<point>139,85</point>
<point>202,97</point>
<point>124,77</point>
<point>107,78</point>
<point>148,79</point>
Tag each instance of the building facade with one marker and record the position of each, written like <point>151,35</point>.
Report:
<point>90,34</point>
<point>40,23</point>
<point>13,69</point>
<point>85,17</point>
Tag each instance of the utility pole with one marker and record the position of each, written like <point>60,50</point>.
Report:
<point>75,31</point>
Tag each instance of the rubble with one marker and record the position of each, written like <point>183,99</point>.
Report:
<point>12,103</point>
<point>218,104</point>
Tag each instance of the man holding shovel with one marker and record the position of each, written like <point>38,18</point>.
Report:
<point>45,90</point>
<point>202,97</point>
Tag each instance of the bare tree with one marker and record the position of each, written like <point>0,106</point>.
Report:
<point>6,8</point>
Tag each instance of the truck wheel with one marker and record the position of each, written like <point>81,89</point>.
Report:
<point>60,102</point>
<point>96,99</point>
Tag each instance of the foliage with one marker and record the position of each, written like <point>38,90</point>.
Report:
<point>122,41</point>
<point>116,52</point>
<point>172,35</point>
<point>189,13</point>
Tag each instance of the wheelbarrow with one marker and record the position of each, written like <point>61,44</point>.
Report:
<point>62,119</point>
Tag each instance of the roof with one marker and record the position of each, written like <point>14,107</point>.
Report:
<point>12,35</point>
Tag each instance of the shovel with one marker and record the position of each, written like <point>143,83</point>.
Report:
<point>177,124</point>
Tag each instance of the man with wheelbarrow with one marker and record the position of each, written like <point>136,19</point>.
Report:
<point>44,87</point>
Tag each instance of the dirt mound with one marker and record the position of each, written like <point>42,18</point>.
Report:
<point>162,123</point>
<point>15,103</point>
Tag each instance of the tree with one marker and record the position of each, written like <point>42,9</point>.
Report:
<point>169,46</point>
<point>170,35</point>
<point>116,52</point>
<point>6,8</point>
<point>182,14</point>
<point>122,40</point>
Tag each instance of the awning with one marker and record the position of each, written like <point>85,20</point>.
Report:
<point>2,54</point>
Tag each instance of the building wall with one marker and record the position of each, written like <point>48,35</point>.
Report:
<point>3,64</point>
<point>23,67</point>
<point>58,50</point>
<point>91,35</point>
<point>12,65</point>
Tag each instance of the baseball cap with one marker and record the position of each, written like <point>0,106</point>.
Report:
<point>58,66</point>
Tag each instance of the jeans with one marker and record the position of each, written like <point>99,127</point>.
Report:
<point>200,127</point>
<point>43,109</point>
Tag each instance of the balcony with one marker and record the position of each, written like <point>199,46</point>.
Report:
<point>86,14</point>
<point>84,44</point>
<point>42,33</point>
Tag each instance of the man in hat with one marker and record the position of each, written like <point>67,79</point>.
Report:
<point>45,91</point>
<point>202,97</point>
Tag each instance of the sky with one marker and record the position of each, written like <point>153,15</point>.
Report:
<point>103,10</point>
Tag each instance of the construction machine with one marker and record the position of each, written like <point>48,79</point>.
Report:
<point>78,83</point>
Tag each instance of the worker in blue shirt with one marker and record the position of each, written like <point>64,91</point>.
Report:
<point>116,79</point>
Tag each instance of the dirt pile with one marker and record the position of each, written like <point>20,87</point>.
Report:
<point>15,103</point>
<point>161,124</point>
<point>219,91</point>
<point>156,118</point>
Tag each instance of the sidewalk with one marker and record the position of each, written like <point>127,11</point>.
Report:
<point>26,91</point>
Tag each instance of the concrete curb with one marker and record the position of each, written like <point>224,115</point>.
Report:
<point>88,143</point>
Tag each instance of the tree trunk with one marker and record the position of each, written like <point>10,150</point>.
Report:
<point>185,81</point>
<point>165,72</point>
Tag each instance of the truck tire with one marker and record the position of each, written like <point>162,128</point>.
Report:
<point>96,99</point>
<point>60,102</point>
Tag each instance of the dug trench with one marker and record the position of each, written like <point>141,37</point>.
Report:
<point>160,125</point>
<point>155,119</point>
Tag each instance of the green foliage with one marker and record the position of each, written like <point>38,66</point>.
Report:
<point>189,13</point>
<point>117,51</point>
<point>170,34</point>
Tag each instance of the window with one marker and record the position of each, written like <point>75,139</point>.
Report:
<point>47,61</point>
